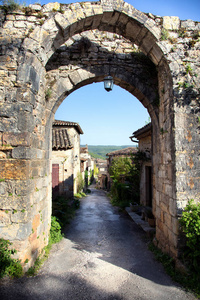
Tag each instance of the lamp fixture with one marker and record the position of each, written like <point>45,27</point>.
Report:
<point>108,80</point>
<point>108,83</point>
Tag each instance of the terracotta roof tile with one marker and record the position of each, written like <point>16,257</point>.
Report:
<point>144,130</point>
<point>60,139</point>
<point>125,151</point>
<point>68,124</point>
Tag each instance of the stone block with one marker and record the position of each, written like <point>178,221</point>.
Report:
<point>20,24</point>
<point>75,77</point>
<point>153,28</point>
<point>51,7</point>
<point>175,225</point>
<point>132,30</point>
<point>62,21</point>
<point>163,206</point>
<point>172,207</point>
<point>140,17</point>
<point>22,152</point>
<point>156,54</point>
<point>188,24</point>
<point>24,231</point>
<point>141,35</point>
<point>24,187</point>
<point>171,23</point>
<point>18,217</point>
<point>36,7</point>
<point>8,24</point>
<point>34,79</point>
<point>16,139</point>
<point>3,187</point>
<point>5,217</point>
<point>14,169</point>
<point>25,121</point>
<point>168,220</point>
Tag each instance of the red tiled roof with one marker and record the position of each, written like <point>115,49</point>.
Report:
<point>68,124</point>
<point>141,131</point>
<point>125,151</point>
<point>60,139</point>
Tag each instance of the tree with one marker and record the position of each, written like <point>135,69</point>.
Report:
<point>120,168</point>
<point>125,187</point>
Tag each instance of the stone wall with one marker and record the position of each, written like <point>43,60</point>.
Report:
<point>48,52</point>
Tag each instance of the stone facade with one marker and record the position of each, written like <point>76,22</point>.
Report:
<point>65,158</point>
<point>87,165</point>
<point>102,178</point>
<point>49,51</point>
<point>143,135</point>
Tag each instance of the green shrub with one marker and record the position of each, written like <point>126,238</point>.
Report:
<point>125,173</point>
<point>190,223</point>
<point>121,195</point>
<point>55,231</point>
<point>9,266</point>
<point>80,182</point>
<point>190,281</point>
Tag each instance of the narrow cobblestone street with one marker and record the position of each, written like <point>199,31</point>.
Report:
<point>104,255</point>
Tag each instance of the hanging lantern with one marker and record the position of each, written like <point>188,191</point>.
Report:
<point>108,83</point>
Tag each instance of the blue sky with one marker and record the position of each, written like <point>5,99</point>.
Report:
<point>110,118</point>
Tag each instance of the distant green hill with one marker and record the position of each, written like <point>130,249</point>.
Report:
<point>101,151</point>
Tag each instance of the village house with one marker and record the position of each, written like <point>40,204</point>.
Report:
<point>102,179</point>
<point>143,137</point>
<point>65,157</point>
<point>87,164</point>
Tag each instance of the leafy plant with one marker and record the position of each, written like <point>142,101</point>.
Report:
<point>10,5</point>
<point>120,167</point>
<point>190,222</point>
<point>182,33</point>
<point>125,173</point>
<point>189,69</point>
<point>9,266</point>
<point>80,182</point>
<point>164,34</point>
<point>48,94</point>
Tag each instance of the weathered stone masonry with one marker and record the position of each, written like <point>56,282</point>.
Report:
<point>48,52</point>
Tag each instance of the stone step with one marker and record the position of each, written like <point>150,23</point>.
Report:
<point>143,224</point>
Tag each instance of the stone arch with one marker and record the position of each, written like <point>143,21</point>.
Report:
<point>27,115</point>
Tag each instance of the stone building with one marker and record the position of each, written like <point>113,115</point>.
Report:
<point>143,135</point>
<point>102,178</point>
<point>87,164</point>
<point>65,157</point>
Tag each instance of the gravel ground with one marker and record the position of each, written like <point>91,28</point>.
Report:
<point>104,255</point>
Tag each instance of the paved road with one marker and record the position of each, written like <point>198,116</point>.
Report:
<point>103,256</point>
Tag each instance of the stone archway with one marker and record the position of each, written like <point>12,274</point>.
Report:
<point>165,80</point>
